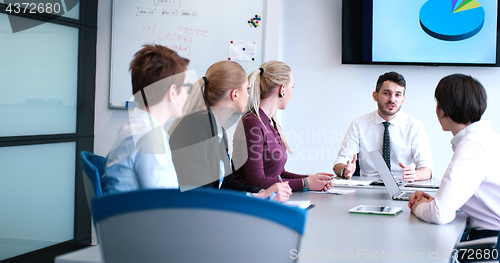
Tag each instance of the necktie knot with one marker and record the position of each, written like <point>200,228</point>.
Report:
<point>386,124</point>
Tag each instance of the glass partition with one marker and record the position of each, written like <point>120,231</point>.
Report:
<point>39,71</point>
<point>37,197</point>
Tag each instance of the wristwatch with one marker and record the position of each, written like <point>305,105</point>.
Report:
<point>342,173</point>
<point>306,185</point>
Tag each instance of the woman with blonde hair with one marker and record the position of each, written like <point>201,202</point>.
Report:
<point>199,142</point>
<point>260,149</point>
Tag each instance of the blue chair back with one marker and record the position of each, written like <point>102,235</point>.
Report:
<point>201,225</point>
<point>93,170</point>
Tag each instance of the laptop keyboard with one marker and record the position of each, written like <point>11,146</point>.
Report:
<point>405,194</point>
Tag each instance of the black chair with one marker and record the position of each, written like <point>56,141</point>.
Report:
<point>357,172</point>
<point>483,244</point>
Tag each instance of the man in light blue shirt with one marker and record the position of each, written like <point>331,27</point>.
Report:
<point>140,157</point>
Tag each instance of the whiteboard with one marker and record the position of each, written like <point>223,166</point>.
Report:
<point>200,30</point>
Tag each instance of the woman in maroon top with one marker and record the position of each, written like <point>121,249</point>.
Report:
<point>260,150</point>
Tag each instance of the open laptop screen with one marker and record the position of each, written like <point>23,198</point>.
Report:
<point>384,172</point>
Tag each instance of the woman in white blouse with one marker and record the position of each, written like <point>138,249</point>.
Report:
<point>472,180</point>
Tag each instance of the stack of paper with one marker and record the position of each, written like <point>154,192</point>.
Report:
<point>343,182</point>
<point>335,191</point>
<point>301,204</point>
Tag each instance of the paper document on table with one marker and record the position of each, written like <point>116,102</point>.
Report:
<point>343,182</point>
<point>335,191</point>
<point>301,204</point>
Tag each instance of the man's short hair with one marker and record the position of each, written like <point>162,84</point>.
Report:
<point>391,76</point>
<point>151,64</point>
<point>461,97</point>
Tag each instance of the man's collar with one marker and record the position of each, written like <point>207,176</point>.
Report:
<point>478,125</point>
<point>393,121</point>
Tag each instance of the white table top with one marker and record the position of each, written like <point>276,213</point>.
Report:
<point>333,233</point>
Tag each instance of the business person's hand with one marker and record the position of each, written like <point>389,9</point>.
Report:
<point>282,190</point>
<point>417,198</point>
<point>318,181</point>
<point>409,173</point>
<point>328,186</point>
<point>350,167</point>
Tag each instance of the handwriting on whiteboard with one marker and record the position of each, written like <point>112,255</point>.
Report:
<point>189,13</point>
<point>168,2</point>
<point>169,12</point>
<point>141,11</point>
<point>178,40</point>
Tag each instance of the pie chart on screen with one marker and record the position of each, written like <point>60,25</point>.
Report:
<point>452,20</point>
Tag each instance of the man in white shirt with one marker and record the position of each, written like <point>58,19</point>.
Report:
<point>400,137</point>
<point>472,180</point>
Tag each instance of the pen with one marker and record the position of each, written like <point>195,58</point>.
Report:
<point>279,177</point>
<point>274,194</point>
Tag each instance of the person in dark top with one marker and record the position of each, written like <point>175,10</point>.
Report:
<point>199,141</point>
<point>260,150</point>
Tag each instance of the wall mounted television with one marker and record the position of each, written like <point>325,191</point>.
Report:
<point>421,32</point>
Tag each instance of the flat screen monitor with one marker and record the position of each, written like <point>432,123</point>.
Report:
<point>420,32</point>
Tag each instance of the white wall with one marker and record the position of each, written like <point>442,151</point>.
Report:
<point>329,95</point>
<point>107,121</point>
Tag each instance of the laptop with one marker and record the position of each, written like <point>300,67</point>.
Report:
<point>388,178</point>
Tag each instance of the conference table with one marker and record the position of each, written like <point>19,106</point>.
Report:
<point>334,234</point>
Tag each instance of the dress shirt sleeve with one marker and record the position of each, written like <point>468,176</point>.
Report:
<point>462,179</point>
<point>152,170</point>
<point>420,148</point>
<point>289,175</point>
<point>152,161</point>
<point>350,145</point>
<point>294,180</point>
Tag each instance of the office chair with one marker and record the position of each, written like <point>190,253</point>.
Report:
<point>93,170</point>
<point>201,225</point>
<point>357,172</point>
<point>488,243</point>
